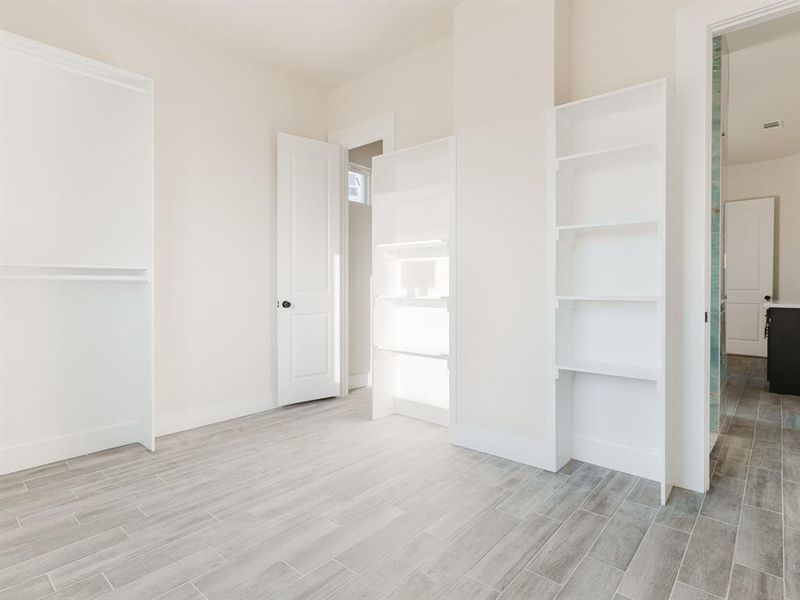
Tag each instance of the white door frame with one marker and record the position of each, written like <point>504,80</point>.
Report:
<point>695,27</point>
<point>379,128</point>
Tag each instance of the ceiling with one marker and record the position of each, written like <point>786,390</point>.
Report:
<point>764,86</point>
<point>323,41</point>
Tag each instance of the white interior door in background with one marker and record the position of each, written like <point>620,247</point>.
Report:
<point>749,245</point>
<point>309,269</point>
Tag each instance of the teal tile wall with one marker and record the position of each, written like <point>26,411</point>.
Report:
<point>716,317</point>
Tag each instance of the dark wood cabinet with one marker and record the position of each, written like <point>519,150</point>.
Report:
<point>783,350</point>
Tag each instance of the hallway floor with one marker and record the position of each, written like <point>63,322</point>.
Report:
<point>316,501</point>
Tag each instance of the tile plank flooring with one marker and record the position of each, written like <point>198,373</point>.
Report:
<point>317,502</point>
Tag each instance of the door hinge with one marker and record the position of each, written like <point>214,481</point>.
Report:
<point>706,316</point>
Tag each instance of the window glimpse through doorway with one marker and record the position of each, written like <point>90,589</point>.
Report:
<point>358,184</point>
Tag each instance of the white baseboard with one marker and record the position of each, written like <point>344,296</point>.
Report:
<point>198,417</point>
<point>616,457</point>
<point>530,452</point>
<point>358,380</point>
<point>422,411</point>
<point>42,452</point>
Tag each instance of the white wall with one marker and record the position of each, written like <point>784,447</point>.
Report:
<point>217,113</point>
<point>503,58</point>
<point>781,178</point>
<point>619,43</point>
<point>363,154</point>
<point>360,275</point>
<point>562,19</point>
<point>418,88</point>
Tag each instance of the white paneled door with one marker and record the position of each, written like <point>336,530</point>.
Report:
<point>749,246</point>
<point>309,269</point>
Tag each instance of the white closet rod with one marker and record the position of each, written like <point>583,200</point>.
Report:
<point>48,266</point>
<point>87,273</point>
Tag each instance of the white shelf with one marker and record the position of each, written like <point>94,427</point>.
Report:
<point>644,372</point>
<point>421,193</point>
<point>609,226</point>
<point>52,266</point>
<point>625,99</point>
<point>87,278</point>
<point>414,352</point>
<point>427,301</point>
<point>78,273</point>
<point>422,249</point>
<point>412,244</point>
<point>628,116</point>
<point>609,156</point>
<point>610,298</point>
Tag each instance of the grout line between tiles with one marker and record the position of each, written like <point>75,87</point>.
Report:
<point>689,585</point>
<point>107,580</point>
<point>50,580</point>
<point>545,577</point>
<point>783,510</point>
<point>199,591</point>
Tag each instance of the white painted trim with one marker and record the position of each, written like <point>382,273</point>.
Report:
<point>198,417</point>
<point>530,452</point>
<point>452,300</point>
<point>148,431</point>
<point>619,458</point>
<point>424,412</point>
<point>695,25</point>
<point>75,62</point>
<point>366,132</point>
<point>45,451</point>
<point>558,417</point>
<point>358,380</point>
<point>369,131</point>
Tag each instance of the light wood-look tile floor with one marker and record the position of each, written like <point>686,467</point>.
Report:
<point>318,502</point>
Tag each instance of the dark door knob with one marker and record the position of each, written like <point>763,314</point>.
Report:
<point>286,304</point>
<point>767,297</point>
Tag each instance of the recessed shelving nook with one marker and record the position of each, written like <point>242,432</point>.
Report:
<point>608,219</point>
<point>411,274</point>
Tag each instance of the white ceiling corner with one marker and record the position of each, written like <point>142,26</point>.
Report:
<point>764,86</point>
<point>327,42</point>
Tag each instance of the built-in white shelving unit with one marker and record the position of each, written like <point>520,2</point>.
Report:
<point>608,200</point>
<point>413,194</point>
<point>76,254</point>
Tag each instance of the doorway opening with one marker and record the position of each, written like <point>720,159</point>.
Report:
<point>755,217</point>
<point>359,268</point>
